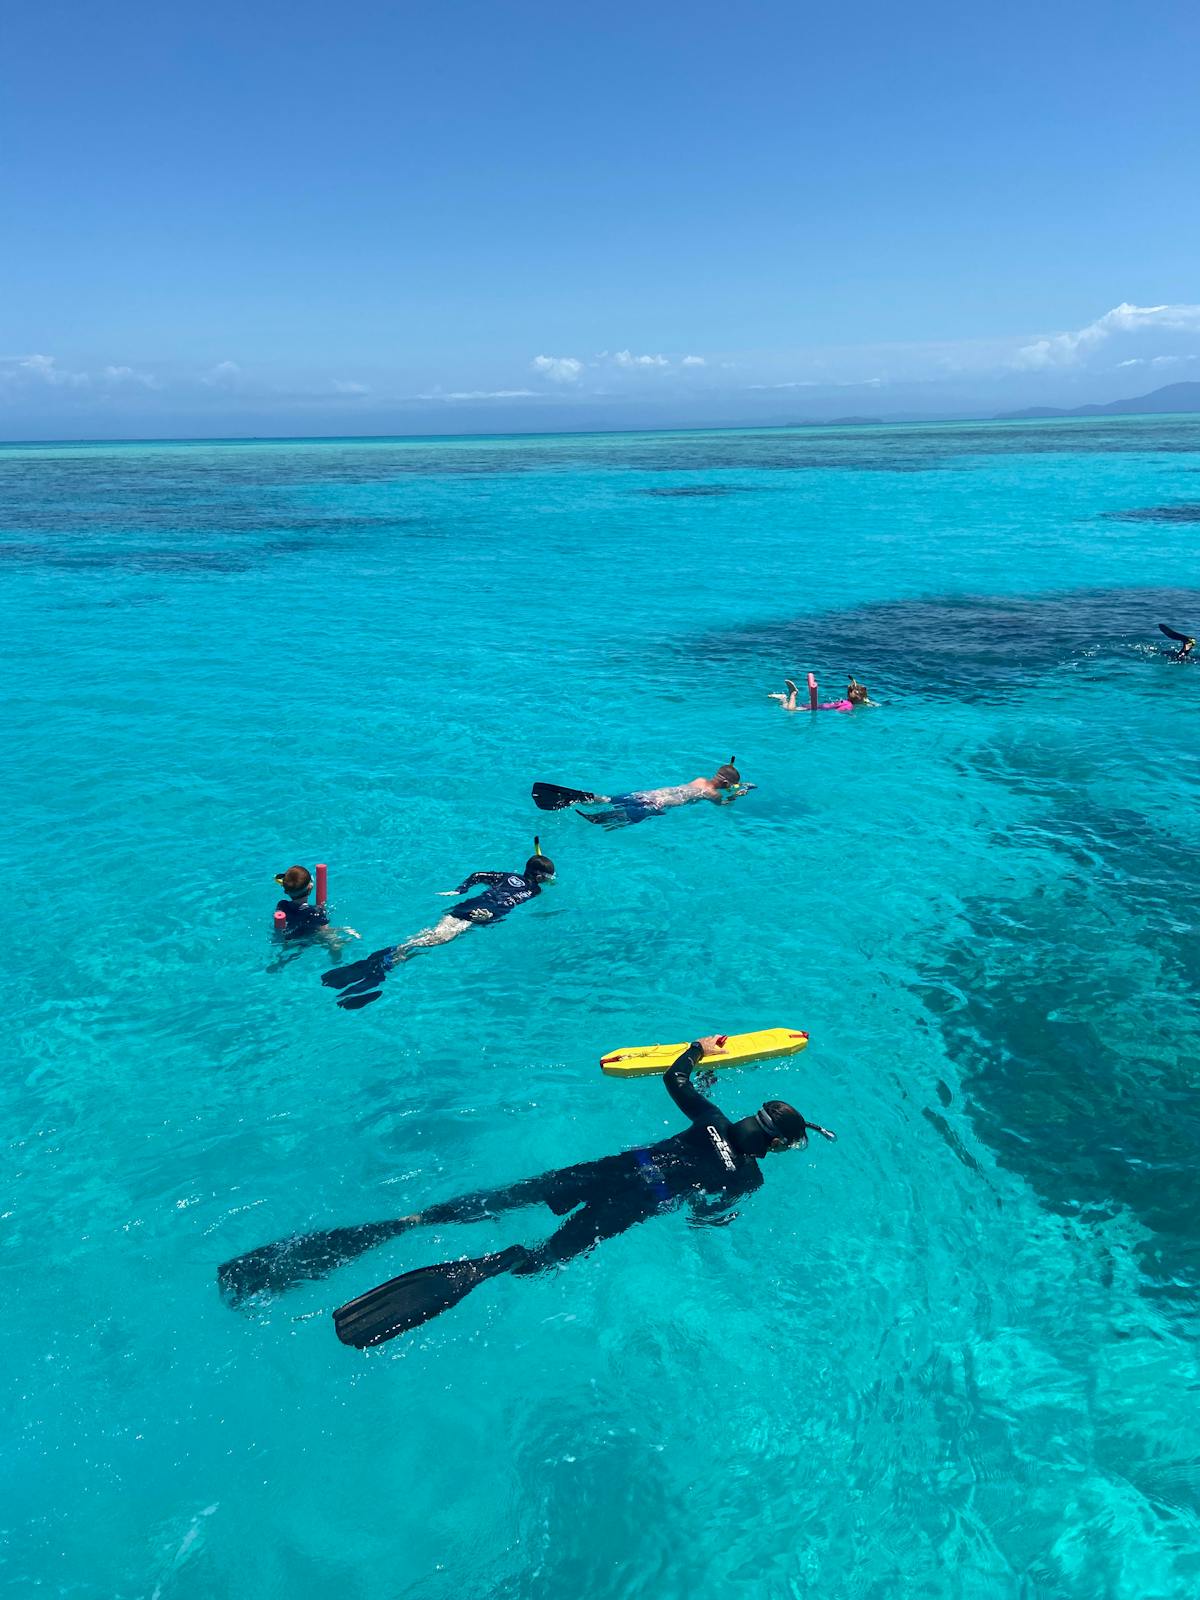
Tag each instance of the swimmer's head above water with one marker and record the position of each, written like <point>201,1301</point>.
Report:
<point>539,869</point>
<point>295,882</point>
<point>856,693</point>
<point>778,1126</point>
<point>728,776</point>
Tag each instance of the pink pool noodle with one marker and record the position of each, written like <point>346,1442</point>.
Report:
<point>812,692</point>
<point>280,920</point>
<point>322,883</point>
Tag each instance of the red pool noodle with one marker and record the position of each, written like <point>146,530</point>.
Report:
<point>812,691</point>
<point>280,920</point>
<point>322,883</point>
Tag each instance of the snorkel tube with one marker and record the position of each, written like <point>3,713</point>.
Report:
<point>533,867</point>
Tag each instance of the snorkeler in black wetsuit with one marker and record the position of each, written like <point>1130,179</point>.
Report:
<point>708,1166</point>
<point>300,919</point>
<point>360,982</point>
<point>303,925</point>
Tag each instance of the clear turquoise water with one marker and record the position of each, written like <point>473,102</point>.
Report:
<point>951,1356</point>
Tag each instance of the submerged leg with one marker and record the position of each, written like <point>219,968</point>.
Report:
<point>562,1190</point>
<point>581,1232</point>
<point>446,928</point>
<point>414,1297</point>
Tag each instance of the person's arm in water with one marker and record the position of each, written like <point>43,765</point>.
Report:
<point>704,1212</point>
<point>679,1085</point>
<point>477,877</point>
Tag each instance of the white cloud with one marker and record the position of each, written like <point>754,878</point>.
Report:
<point>1165,361</point>
<point>223,375</point>
<point>41,369</point>
<point>144,380</point>
<point>559,369</point>
<point>626,359</point>
<point>344,386</point>
<point>795,383</point>
<point>1134,361</point>
<point>1068,349</point>
<point>693,361</point>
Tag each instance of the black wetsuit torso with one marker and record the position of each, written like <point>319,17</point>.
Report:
<point>702,1160</point>
<point>506,891</point>
<point>702,1165</point>
<point>301,918</point>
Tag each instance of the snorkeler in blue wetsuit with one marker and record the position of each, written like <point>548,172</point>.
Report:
<point>360,982</point>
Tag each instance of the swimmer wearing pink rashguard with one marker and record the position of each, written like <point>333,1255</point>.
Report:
<point>856,695</point>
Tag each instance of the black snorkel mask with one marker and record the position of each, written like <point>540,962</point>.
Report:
<point>776,1135</point>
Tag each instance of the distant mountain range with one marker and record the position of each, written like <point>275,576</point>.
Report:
<point>1173,397</point>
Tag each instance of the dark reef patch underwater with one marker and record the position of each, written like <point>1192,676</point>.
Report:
<point>956,646</point>
<point>1180,513</point>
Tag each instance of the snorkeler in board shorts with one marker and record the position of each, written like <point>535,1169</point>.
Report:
<point>626,809</point>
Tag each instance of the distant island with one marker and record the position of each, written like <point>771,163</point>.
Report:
<point>1173,397</point>
<point>837,422</point>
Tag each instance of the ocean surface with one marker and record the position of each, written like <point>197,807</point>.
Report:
<point>952,1355</point>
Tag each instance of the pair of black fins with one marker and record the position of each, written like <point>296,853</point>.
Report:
<point>361,982</point>
<point>556,797</point>
<point>390,1308</point>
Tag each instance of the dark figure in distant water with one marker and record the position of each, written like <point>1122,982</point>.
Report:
<point>1186,645</point>
<point>360,982</point>
<point>708,1166</point>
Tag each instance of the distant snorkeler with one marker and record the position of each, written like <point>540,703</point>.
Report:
<point>361,982</point>
<point>299,924</point>
<point>856,695</point>
<point>708,1166</point>
<point>626,809</point>
<point>1185,643</point>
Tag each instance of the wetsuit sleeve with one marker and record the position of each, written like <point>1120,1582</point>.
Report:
<point>678,1079</point>
<point>481,877</point>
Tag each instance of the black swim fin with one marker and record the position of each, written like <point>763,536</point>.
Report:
<point>355,999</point>
<point>370,970</point>
<point>272,1268</point>
<point>1180,638</point>
<point>414,1297</point>
<point>553,797</point>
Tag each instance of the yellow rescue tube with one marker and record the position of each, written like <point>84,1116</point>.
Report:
<point>740,1050</point>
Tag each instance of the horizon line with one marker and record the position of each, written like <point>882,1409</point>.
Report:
<point>581,433</point>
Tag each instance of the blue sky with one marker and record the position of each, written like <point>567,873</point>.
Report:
<point>270,218</point>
